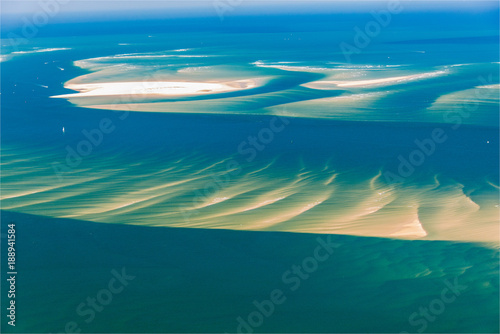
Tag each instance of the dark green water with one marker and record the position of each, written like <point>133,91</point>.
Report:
<point>196,280</point>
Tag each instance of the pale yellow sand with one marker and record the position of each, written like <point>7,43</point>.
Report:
<point>263,196</point>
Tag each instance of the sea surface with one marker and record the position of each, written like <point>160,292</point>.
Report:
<point>209,199</point>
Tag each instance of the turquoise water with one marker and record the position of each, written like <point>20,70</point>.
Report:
<point>214,212</point>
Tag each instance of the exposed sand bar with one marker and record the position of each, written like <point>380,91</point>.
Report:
<point>154,88</point>
<point>373,82</point>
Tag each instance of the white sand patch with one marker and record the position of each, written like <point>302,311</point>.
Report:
<point>41,50</point>
<point>166,88</point>
<point>291,68</point>
<point>378,82</point>
<point>494,86</point>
